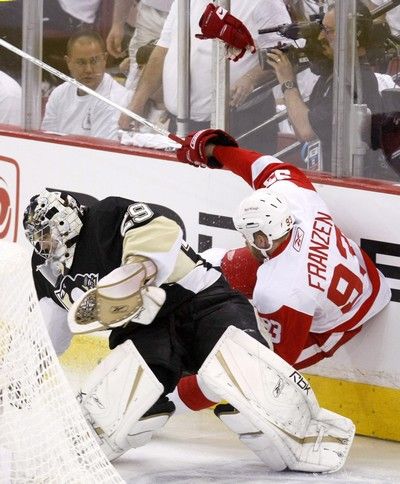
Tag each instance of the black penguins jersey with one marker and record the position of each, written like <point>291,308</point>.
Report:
<point>116,229</point>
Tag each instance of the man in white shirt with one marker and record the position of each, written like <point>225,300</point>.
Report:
<point>245,75</point>
<point>301,10</point>
<point>72,111</point>
<point>83,10</point>
<point>151,15</point>
<point>10,100</point>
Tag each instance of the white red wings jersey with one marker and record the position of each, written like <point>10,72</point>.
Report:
<point>319,287</point>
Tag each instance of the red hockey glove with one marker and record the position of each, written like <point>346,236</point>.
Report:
<point>193,150</point>
<point>218,23</point>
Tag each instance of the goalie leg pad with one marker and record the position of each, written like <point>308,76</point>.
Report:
<point>154,419</point>
<point>257,381</point>
<point>251,436</point>
<point>278,402</point>
<point>119,391</point>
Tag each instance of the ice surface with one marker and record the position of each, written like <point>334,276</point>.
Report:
<point>198,448</point>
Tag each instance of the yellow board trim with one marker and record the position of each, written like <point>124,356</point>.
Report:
<point>373,409</point>
<point>84,353</point>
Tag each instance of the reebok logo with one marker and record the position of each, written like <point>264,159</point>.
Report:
<point>9,198</point>
<point>300,381</point>
<point>276,392</point>
<point>298,239</point>
<point>119,309</point>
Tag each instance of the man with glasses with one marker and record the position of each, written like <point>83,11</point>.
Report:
<point>70,110</point>
<point>313,122</point>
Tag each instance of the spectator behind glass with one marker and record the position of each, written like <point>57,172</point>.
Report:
<point>314,122</point>
<point>156,111</point>
<point>245,75</point>
<point>79,11</point>
<point>61,18</point>
<point>72,111</point>
<point>301,10</point>
<point>10,100</point>
<point>151,15</point>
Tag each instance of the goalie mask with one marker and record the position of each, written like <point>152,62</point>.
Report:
<point>52,222</point>
<point>263,211</point>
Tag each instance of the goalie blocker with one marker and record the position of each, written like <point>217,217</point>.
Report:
<point>271,407</point>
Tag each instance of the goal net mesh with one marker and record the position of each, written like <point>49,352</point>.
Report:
<point>44,437</point>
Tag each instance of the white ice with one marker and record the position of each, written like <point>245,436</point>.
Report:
<point>197,448</point>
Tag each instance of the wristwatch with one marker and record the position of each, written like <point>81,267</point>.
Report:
<point>288,85</point>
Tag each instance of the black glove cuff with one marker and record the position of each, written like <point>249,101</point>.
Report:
<point>220,139</point>
<point>212,162</point>
<point>224,139</point>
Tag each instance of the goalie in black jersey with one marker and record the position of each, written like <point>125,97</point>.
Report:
<point>119,265</point>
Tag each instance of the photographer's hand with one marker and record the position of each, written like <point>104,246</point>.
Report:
<point>245,85</point>
<point>296,107</point>
<point>241,90</point>
<point>280,63</point>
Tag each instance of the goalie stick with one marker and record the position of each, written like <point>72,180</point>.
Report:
<point>76,83</point>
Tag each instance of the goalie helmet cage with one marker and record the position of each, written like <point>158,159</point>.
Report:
<point>44,437</point>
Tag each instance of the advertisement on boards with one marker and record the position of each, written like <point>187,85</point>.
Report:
<point>9,198</point>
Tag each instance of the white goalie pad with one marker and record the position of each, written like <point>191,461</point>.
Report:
<point>119,298</point>
<point>116,395</point>
<point>278,404</point>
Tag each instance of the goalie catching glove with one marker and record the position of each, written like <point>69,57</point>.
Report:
<point>122,296</point>
<point>193,150</point>
<point>218,23</point>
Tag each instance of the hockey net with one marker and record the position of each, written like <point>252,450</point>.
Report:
<point>44,437</point>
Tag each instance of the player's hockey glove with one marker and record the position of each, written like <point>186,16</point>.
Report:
<point>193,150</point>
<point>218,23</point>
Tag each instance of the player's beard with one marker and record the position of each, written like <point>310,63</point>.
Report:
<point>255,253</point>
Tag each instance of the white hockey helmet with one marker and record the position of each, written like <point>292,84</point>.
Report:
<point>263,211</point>
<point>52,222</point>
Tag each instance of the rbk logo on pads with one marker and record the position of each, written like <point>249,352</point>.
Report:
<point>9,198</point>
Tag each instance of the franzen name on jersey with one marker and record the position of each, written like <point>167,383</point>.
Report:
<point>319,250</point>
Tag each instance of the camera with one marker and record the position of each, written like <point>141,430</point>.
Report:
<point>299,57</point>
<point>297,30</point>
<point>296,55</point>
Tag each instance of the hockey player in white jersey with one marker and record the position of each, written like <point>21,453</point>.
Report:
<point>314,288</point>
